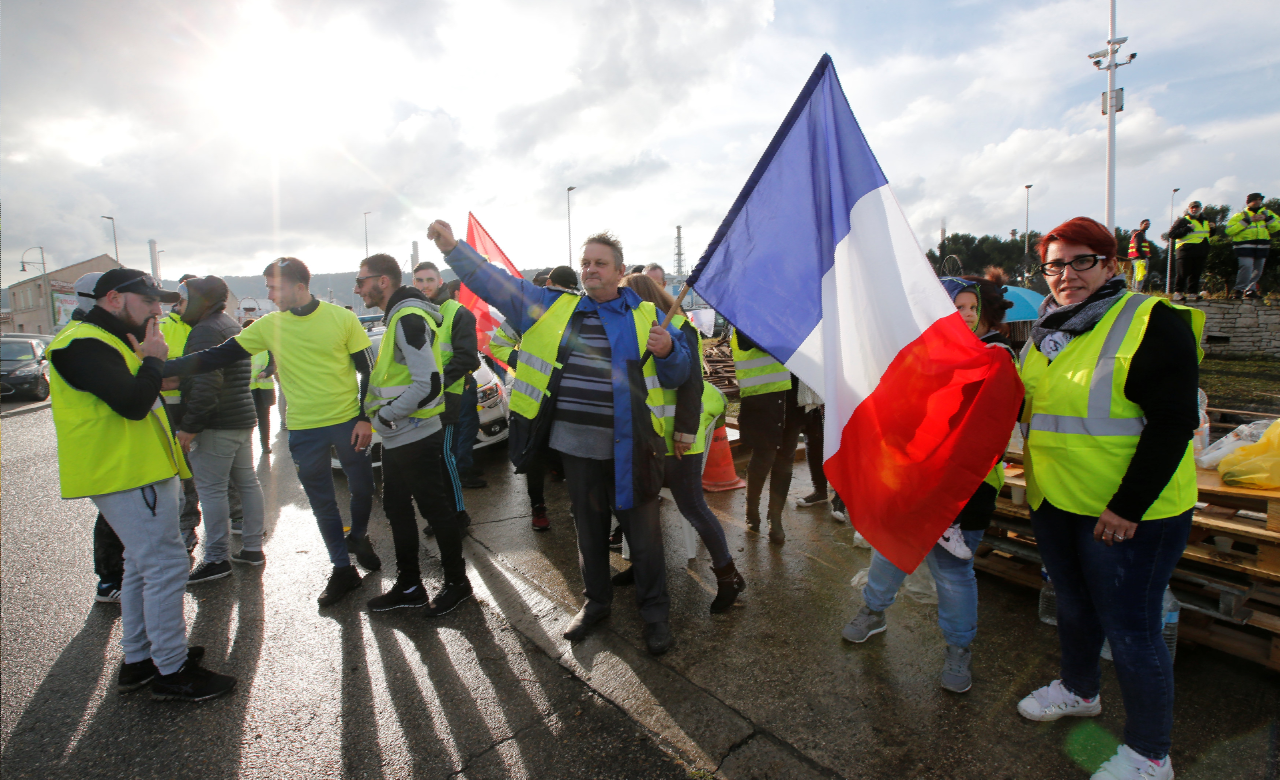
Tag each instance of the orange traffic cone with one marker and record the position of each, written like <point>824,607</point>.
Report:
<point>719,473</point>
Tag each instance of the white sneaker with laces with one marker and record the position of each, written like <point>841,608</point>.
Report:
<point>1053,701</point>
<point>953,542</point>
<point>1127,764</point>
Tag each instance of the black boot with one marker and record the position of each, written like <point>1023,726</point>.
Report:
<point>729,584</point>
<point>753,504</point>
<point>776,503</point>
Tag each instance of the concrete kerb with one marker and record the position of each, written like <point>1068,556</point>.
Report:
<point>25,410</point>
<point>683,717</point>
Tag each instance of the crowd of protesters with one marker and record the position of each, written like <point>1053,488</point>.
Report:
<point>607,392</point>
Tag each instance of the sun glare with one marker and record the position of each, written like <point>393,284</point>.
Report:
<point>285,89</point>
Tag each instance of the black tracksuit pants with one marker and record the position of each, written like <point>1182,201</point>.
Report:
<point>1191,261</point>
<point>591,492</point>
<point>419,471</point>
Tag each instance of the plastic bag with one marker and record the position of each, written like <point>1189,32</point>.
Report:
<point>1245,434</point>
<point>919,585</point>
<point>1200,441</point>
<point>1255,465</point>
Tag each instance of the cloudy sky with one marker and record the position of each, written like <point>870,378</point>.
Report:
<point>234,132</point>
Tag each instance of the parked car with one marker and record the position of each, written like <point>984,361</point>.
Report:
<point>491,401</point>
<point>24,369</point>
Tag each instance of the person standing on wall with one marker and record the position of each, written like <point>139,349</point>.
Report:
<point>1250,232</point>
<point>1191,233</point>
<point>319,348</point>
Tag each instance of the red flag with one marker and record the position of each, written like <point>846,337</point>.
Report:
<point>488,319</point>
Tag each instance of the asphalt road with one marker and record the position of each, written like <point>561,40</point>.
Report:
<point>321,693</point>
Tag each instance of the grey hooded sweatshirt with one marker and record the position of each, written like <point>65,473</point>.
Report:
<point>413,349</point>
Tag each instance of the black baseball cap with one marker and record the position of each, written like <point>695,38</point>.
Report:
<point>1252,197</point>
<point>134,281</point>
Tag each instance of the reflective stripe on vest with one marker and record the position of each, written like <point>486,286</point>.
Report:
<point>503,342</point>
<point>175,333</point>
<point>99,451</point>
<point>1077,461</point>
<point>444,342</point>
<point>258,364</point>
<point>1255,231</point>
<point>540,347</point>
<point>391,377</point>
<point>1199,232</point>
<point>757,371</point>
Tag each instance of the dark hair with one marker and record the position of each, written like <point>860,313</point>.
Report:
<point>1081,230</point>
<point>991,289</point>
<point>451,289</point>
<point>541,280</point>
<point>185,277</point>
<point>608,239</point>
<point>384,265</point>
<point>426,265</point>
<point>290,269</point>
<point>1252,197</point>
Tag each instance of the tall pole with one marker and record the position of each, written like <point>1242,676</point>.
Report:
<point>1168,249</point>
<point>1111,122</point>
<point>155,259</point>
<point>114,240</point>
<point>568,210</point>
<point>366,233</point>
<point>1026,230</point>
<point>44,282</point>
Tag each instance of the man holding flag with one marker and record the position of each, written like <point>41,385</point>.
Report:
<point>589,385</point>
<point>917,409</point>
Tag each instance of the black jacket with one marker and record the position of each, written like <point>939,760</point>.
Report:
<point>219,399</point>
<point>95,367</point>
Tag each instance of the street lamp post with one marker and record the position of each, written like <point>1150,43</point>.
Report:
<point>1168,250</point>
<point>1026,230</point>
<point>366,233</point>
<point>114,240</point>
<point>44,281</point>
<point>568,210</point>
<point>1112,103</point>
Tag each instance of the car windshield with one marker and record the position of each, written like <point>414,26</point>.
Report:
<point>16,350</point>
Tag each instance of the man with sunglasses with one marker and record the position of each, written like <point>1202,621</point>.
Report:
<point>115,447</point>
<point>319,349</point>
<point>1191,233</point>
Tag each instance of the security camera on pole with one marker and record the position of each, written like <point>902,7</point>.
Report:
<point>1112,103</point>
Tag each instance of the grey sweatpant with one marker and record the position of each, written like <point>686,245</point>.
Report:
<point>155,573</point>
<point>222,461</point>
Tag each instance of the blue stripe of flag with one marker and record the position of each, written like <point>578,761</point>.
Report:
<point>763,269</point>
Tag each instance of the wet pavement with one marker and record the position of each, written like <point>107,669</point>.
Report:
<point>492,690</point>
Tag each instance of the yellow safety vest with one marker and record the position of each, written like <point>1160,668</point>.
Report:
<point>99,451</point>
<point>1081,431</point>
<point>175,333</point>
<point>757,371</point>
<point>1199,232</point>
<point>1254,231</point>
<point>540,350</point>
<point>444,342</point>
<point>390,377</point>
<point>505,341</point>
<point>257,364</point>
<point>712,401</point>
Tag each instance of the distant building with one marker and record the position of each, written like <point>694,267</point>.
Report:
<point>35,309</point>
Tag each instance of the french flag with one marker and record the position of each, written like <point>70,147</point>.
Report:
<point>817,264</point>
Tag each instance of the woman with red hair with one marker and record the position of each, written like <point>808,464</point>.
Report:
<point>1111,380</point>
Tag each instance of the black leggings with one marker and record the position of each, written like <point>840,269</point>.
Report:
<point>813,449</point>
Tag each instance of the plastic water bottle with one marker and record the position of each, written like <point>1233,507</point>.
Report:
<point>1172,611</point>
<point>1048,600</point>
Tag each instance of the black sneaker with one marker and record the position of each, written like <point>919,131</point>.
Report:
<point>453,594</point>
<point>615,539</point>
<point>207,572</point>
<point>108,593</point>
<point>813,498</point>
<point>137,674</point>
<point>191,683</point>
<point>401,595</point>
<point>251,557</point>
<point>625,577</point>
<point>343,580</point>
<point>363,550</point>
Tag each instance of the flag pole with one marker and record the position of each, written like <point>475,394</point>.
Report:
<point>679,299</point>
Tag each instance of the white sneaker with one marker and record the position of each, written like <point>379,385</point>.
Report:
<point>1128,765</point>
<point>1177,297</point>
<point>953,542</point>
<point>1054,701</point>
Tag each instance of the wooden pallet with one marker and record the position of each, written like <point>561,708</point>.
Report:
<point>1231,599</point>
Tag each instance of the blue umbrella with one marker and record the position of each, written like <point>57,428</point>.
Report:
<point>1026,304</point>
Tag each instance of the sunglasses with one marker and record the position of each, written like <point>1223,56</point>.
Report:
<point>1078,263</point>
<point>360,279</point>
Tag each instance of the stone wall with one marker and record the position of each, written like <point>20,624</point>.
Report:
<point>1240,327</point>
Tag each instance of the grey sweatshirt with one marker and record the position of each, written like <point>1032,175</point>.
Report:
<point>413,349</point>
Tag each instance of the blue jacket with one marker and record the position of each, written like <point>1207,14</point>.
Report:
<point>523,302</point>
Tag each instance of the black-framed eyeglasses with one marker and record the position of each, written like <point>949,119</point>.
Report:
<point>360,279</point>
<point>1078,264</point>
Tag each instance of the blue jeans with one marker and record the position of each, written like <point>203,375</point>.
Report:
<point>467,427</point>
<point>310,451</point>
<point>957,589</point>
<point>1115,593</point>
<point>684,478</point>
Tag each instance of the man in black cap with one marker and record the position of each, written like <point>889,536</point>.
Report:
<point>1191,233</point>
<point>114,447</point>
<point>563,278</point>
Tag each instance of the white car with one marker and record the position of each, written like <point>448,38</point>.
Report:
<point>491,402</point>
